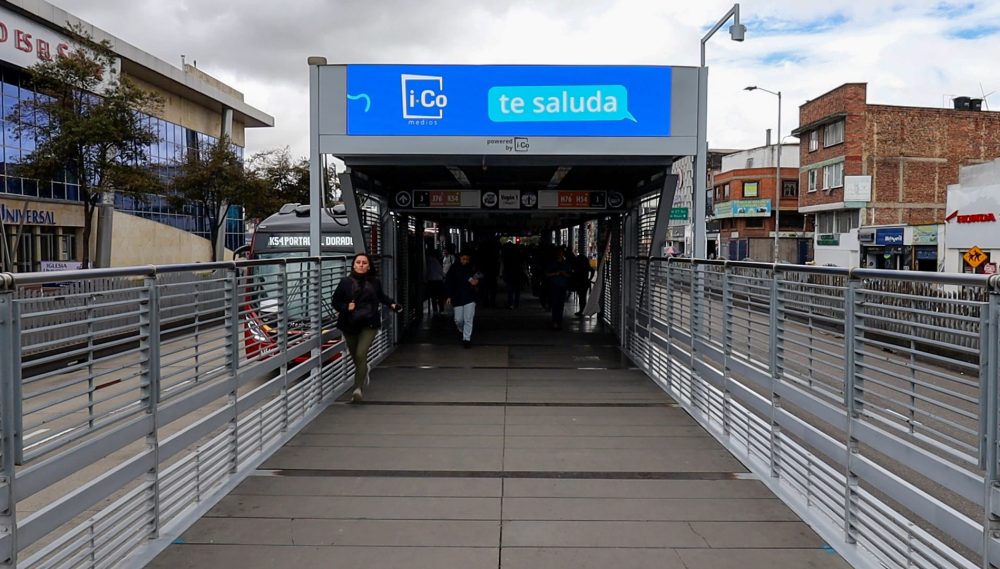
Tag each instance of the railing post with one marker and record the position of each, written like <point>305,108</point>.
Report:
<point>149,339</point>
<point>990,368</point>
<point>854,407</point>
<point>10,348</point>
<point>316,319</point>
<point>669,308</point>
<point>727,349</point>
<point>233,361</point>
<point>282,305</point>
<point>775,432</point>
<point>695,319</point>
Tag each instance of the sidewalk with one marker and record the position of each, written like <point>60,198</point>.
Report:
<point>534,449</point>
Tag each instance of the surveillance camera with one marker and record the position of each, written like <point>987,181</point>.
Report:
<point>737,32</point>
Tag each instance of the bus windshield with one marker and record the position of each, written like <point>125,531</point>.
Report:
<point>296,273</point>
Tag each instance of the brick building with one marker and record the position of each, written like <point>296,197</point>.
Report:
<point>875,177</point>
<point>743,194</point>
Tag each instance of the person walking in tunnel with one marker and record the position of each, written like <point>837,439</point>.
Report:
<point>357,300</point>
<point>460,291</point>
<point>580,281</point>
<point>434,281</point>
<point>558,274</point>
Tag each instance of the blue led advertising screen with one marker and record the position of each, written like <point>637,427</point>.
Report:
<point>507,100</point>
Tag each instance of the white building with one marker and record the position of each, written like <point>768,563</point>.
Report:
<point>972,228</point>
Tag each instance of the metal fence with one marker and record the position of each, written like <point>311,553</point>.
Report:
<point>868,403</point>
<point>133,399</point>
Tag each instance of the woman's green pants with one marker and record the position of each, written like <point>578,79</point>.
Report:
<point>358,345</point>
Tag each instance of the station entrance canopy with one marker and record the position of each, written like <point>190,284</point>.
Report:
<point>504,147</point>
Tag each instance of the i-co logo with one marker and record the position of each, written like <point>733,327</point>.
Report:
<point>423,96</point>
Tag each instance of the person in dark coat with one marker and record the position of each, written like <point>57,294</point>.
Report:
<point>460,290</point>
<point>558,273</point>
<point>357,301</point>
<point>582,273</point>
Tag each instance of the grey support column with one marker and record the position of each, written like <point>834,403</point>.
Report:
<point>663,216</point>
<point>353,213</point>
<point>315,159</point>
<point>105,227</point>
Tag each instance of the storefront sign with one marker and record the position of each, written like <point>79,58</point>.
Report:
<point>857,188</point>
<point>988,217</point>
<point>925,235</point>
<point>889,236</point>
<point>743,208</point>
<point>47,266</point>
<point>828,239</point>
<point>29,216</point>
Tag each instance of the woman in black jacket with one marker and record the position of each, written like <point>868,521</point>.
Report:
<point>357,301</point>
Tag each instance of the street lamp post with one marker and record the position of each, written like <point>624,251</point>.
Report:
<point>777,171</point>
<point>736,32</point>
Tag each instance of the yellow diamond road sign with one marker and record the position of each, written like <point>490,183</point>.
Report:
<point>974,257</point>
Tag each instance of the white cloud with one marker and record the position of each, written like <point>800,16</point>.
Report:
<point>910,52</point>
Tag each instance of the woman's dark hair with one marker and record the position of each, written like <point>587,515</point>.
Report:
<point>371,266</point>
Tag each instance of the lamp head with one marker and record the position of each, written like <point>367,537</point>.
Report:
<point>750,88</point>
<point>737,32</point>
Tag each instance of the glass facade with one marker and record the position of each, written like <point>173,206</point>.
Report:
<point>165,156</point>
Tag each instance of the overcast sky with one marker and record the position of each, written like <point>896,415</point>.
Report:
<point>910,52</point>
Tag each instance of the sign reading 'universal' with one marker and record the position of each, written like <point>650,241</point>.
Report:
<point>29,216</point>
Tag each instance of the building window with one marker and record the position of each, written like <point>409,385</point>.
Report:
<point>833,176</point>
<point>833,134</point>
<point>751,189</point>
<point>750,162</point>
<point>755,222</point>
<point>789,188</point>
<point>824,222</point>
<point>725,192</point>
<point>812,180</point>
<point>814,141</point>
<point>847,220</point>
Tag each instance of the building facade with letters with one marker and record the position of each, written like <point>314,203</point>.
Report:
<point>41,221</point>
<point>972,225</point>
<point>875,177</point>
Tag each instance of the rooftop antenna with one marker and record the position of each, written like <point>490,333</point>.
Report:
<point>183,63</point>
<point>985,95</point>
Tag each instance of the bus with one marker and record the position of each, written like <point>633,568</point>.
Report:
<point>285,235</point>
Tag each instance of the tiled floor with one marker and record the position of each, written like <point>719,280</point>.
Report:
<point>534,449</point>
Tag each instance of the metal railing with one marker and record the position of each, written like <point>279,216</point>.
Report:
<point>133,399</point>
<point>867,400</point>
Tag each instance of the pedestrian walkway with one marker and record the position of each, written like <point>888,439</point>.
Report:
<point>534,449</point>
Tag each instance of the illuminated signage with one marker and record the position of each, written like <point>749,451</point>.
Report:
<point>508,100</point>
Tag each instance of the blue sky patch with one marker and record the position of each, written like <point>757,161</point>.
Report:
<point>761,27</point>
<point>974,32</point>
<point>952,9</point>
<point>779,57</point>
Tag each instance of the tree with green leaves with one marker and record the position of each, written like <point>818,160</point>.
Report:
<point>283,180</point>
<point>213,177</point>
<point>90,123</point>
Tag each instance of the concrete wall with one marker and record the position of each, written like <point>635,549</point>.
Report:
<point>189,114</point>
<point>138,241</point>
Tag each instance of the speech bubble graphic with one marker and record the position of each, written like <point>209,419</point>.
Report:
<point>559,103</point>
